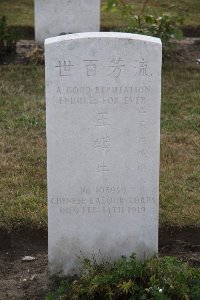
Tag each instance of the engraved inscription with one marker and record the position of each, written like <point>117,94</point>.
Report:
<point>65,68</point>
<point>121,204</point>
<point>107,199</point>
<point>102,119</point>
<point>116,67</point>
<point>103,168</point>
<point>103,143</point>
<point>91,67</point>
<point>133,95</point>
<point>143,68</point>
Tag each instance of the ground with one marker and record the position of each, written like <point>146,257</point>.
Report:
<point>30,280</point>
<point>186,50</point>
<point>18,279</point>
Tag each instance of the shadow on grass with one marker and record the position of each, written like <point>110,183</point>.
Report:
<point>24,32</point>
<point>27,32</point>
<point>191,31</point>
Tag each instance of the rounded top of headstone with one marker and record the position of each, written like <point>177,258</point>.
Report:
<point>91,35</point>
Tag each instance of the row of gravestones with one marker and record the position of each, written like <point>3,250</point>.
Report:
<point>103,95</point>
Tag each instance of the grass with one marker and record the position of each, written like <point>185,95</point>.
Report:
<point>22,132</point>
<point>180,146</point>
<point>22,143</point>
<point>18,12</point>
<point>23,147</point>
<point>21,12</point>
<point>158,278</point>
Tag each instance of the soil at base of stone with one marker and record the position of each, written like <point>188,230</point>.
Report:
<point>30,280</point>
<point>184,51</point>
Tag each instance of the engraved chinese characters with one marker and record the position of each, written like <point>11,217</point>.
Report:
<point>55,17</point>
<point>103,123</point>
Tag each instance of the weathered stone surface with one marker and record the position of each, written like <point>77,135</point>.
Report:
<point>103,135</point>
<point>55,17</point>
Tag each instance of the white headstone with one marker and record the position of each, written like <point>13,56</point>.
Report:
<point>103,95</point>
<point>55,17</point>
